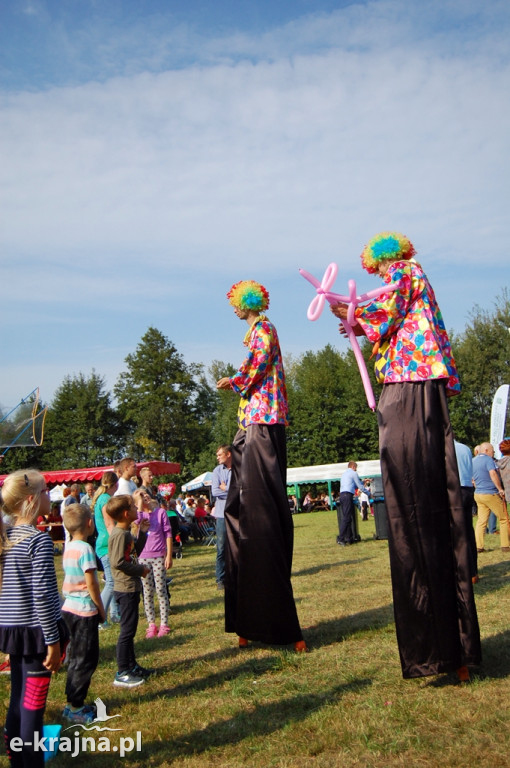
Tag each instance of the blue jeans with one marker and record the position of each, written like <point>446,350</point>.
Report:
<point>493,523</point>
<point>107,593</point>
<point>220,550</point>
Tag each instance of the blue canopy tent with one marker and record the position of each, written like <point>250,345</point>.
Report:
<point>202,481</point>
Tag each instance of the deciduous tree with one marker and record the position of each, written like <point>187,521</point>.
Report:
<point>482,354</point>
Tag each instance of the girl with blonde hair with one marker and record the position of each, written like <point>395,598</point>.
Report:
<point>32,631</point>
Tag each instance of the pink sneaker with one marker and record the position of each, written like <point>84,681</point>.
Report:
<point>163,630</point>
<point>152,631</point>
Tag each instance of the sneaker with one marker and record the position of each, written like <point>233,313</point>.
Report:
<point>163,630</point>
<point>5,667</point>
<point>152,631</point>
<point>139,671</point>
<point>104,625</point>
<point>127,680</point>
<point>84,715</point>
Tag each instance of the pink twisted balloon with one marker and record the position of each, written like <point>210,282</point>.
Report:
<point>352,300</point>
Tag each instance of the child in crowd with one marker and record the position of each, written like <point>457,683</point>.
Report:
<point>157,557</point>
<point>127,573</point>
<point>32,631</point>
<point>81,610</point>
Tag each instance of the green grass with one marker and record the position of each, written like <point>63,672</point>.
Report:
<point>342,704</point>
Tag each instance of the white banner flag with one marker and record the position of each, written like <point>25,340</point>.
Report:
<point>498,417</point>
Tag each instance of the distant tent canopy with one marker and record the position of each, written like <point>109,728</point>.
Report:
<point>296,476</point>
<point>60,476</point>
<point>321,473</point>
<point>202,481</point>
<point>331,473</point>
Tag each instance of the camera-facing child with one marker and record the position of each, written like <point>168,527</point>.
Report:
<point>157,556</point>
<point>82,611</point>
<point>127,573</point>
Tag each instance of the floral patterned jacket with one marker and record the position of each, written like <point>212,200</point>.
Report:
<point>410,321</point>
<point>261,379</point>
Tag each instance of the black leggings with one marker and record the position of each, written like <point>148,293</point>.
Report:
<point>30,682</point>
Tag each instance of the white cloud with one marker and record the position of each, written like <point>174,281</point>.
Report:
<point>148,193</point>
<point>277,155</point>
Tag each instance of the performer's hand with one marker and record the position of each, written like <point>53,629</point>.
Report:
<point>339,310</point>
<point>223,383</point>
<point>356,329</point>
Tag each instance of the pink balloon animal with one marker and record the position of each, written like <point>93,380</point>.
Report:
<point>317,305</point>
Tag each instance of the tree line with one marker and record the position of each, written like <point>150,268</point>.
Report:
<point>163,408</point>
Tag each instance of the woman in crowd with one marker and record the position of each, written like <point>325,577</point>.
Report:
<point>104,526</point>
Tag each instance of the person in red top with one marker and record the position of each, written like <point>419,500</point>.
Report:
<point>42,523</point>
<point>200,510</point>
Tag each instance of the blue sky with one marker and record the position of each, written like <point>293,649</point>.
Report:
<point>156,152</point>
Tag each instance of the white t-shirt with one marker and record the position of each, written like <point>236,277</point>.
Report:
<point>125,487</point>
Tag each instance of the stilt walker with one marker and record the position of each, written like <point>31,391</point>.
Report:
<point>259,602</point>
<point>435,614</point>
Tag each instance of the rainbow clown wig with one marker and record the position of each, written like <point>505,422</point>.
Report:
<point>247,294</point>
<point>387,246</point>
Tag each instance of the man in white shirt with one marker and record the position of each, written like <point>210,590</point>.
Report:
<point>127,468</point>
<point>88,495</point>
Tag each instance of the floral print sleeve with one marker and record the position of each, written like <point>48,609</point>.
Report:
<point>409,322</point>
<point>261,379</point>
<point>384,317</point>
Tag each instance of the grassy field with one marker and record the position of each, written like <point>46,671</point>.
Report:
<point>342,704</point>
